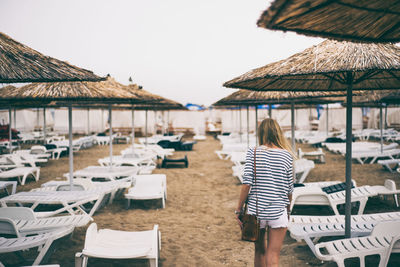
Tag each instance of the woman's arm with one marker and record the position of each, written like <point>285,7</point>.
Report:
<point>244,192</point>
<point>288,206</point>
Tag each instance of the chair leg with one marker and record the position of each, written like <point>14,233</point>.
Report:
<point>153,262</point>
<point>361,208</point>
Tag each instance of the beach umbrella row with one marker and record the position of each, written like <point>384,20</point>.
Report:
<point>250,98</point>
<point>78,94</point>
<point>330,66</point>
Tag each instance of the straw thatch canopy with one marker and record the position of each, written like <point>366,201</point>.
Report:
<point>19,63</point>
<point>61,93</point>
<point>353,20</point>
<point>159,103</point>
<point>328,66</point>
<point>247,98</point>
<point>376,99</point>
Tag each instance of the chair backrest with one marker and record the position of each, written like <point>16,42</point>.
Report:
<point>91,234</point>
<point>386,228</point>
<point>67,187</point>
<point>7,226</point>
<point>390,184</point>
<point>38,150</point>
<point>17,213</point>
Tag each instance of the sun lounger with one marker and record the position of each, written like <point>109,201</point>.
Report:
<point>312,232</point>
<point>146,165</point>
<point>302,168</point>
<point>318,154</point>
<point>64,201</point>
<point>21,173</point>
<point>103,173</point>
<point>111,189</point>
<point>308,219</point>
<point>362,157</point>
<point>4,185</point>
<point>383,240</point>
<point>314,195</point>
<point>112,244</point>
<point>26,222</point>
<point>146,187</point>
<point>42,241</point>
<point>387,162</point>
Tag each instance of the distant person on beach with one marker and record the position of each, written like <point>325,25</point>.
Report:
<point>272,191</point>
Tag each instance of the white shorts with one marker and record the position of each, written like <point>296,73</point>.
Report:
<point>281,222</point>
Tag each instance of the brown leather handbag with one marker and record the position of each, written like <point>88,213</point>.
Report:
<point>250,223</point>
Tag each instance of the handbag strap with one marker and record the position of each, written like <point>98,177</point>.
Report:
<point>255,180</point>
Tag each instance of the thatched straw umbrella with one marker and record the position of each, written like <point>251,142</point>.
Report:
<point>249,98</point>
<point>330,66</point>
<point>20,63</point>
<point>68,93</point>
<point>351,20</point>
<point>160,103</point>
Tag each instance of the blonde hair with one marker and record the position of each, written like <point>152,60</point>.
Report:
<point>270,133</point>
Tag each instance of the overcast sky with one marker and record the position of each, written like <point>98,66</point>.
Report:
<point>181,49</point>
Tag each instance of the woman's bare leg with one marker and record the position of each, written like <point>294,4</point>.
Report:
<point>275,241</point>
<point>260,255</point>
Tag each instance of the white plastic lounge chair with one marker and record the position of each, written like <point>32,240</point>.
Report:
<point>238,172</point>
<point>13,184</point>
<point>302,168</point>
<point>308,219</point>
<point>112,244</point>
<point>362,157</point>
<point>103,173</point>
<point>387,162</point>
<point>318,154</point>
<point>111,189</point>
<point>41,241</point>
<point>152,186</point>
<point>312,232</point>
<point>21,173</point>
<point>70,201</point>
<point>26,223</point>
<point>146,165</point>
<point>383,240</point>
<point>314,195</point>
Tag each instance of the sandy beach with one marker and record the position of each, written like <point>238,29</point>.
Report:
<point>198,226</point>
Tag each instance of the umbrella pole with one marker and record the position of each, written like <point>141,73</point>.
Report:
<point>44,126</point>
<point>163,122</point>
<point>256,107</point>
<point>15,118</point>
<point>381,126</point>
<point>292,126</point>
<point>71,153</point>
<point>111,132</point>
<point>349,141</point>
<point>145,129</point>
<point>168,122</point>
<point>240,123</point>
<point>102,120</point>
<point>327,120</point>
<point>9,131</point>
<point>133,128</point>
<point>248,122</point>
<point>270,111</point>
<point>385,118</point>
<point>88,121</point>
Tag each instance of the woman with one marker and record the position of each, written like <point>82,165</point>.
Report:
<point>272,191</point>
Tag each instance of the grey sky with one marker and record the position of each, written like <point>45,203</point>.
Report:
<point>180,49</point>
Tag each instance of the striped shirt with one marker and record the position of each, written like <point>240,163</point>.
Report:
<point>274,181</point>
